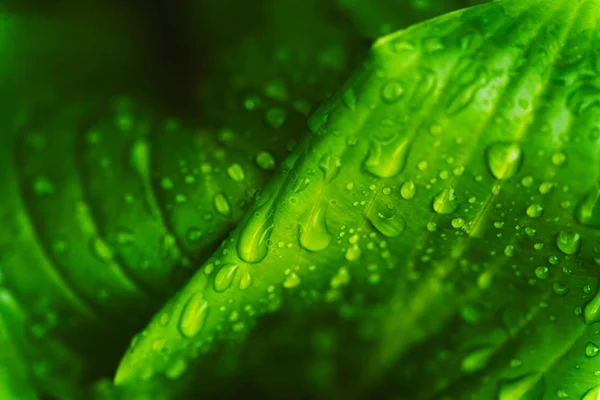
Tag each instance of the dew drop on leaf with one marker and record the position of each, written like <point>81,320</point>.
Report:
<point>221,205</point>
<point>253,245</point>
<point>408,190</point>
<point>568,242</point>
<point>384,218</point>
<point>534,211</point>
<point>591,311</point>
<point>591,350</point>
<point>504,159</point>
<point>193,315</point>
<point>592,394</point>
<point>313,234</point>
<point>265,160</point>
<point>387,159</point>
<point>392,91</point>
<point>236,172</point>
<point>224,277</point>
<point>445,202</point>
<point>477,360</point>
<point>530,386</point>
<point>291,281</point>
<point>542,272</point>
<point>588,209</point>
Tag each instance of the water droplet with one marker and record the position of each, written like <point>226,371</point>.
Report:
<point>291,281</point>
<point>477,360</point>
<point>353,253</point>
<point>387,159</point>
<point>221,205</point>
<point>392,91</point>
<point>349,99</point>
<point>276,117</point>
<point>341,278</point>
<point>330,166</point>
<point>253,245</point>
<point>568,242</point>
<point>313,234</point>
<point>542,272</point>
<point>193,234</point>
<point>591,350</point>
<point>592,394</point>
<point>245,280</point>
<point>560,288</point>
<point>591,311</point>
<point>224,277</point>
<point>236,172</point>
<point>559,159</point>
<point>193,315</point>
<point>43,186</point>
<point>384,218</point>
<point>265,160</point>
<point>530,386</point>
<point>457,223</point>
<point>588,209</point>
<point>504,159</point>
<point>445,202</point>
<point>408,190</point>
<point>534,211</point>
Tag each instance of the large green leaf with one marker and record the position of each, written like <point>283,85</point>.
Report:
<point>106,210</point>
<point>434,237</point>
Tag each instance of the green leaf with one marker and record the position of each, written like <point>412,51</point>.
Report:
<point>422,242</point>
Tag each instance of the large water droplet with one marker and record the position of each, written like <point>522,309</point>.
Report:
<point>312,228</point>
<point>591,311</point>
<point>526,387</point>
<point>384,218</point>
<point>592,394</point>
<point>265,160</point>
<point>386,159</point>
<point>408,190</point>
<point>330,166</point>
<point>568,242</point>
<point>504,159</point>
<point>193,315</point>
<point>588,209</point>
<point>445,202</point>
<point>591,350</point>
<point>253,244</point>
<point>224,277</point>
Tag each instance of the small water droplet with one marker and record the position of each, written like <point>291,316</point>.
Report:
<point>221,205</point>
<point>193,315</point>
<point>236,172</point>
<point>276,117</point>
<point>265,160</point>
<point>534,211</point>
<point>477,360</point>
<point>542,272</point>
<point>291,281</point>
<point>349,99</point>
<point>591,350</point>
<point>504,159</point>
<point>353,253</point>
<point>392,91</point>
<point>560,289</point>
